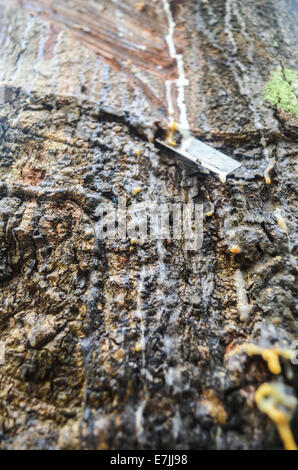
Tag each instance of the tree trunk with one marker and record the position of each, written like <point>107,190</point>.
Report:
<point>120,344</point>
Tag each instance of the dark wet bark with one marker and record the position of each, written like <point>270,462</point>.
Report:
<point>110,344</point>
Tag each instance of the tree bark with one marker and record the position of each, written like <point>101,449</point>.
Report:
<point>114,344</point>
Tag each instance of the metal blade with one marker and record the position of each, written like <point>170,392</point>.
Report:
<point>206,156</point>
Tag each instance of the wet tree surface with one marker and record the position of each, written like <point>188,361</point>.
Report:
<point>111,344</point>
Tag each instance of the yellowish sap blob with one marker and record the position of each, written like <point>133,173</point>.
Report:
<point>273,399</point>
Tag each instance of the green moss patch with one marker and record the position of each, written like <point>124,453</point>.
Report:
<point>282,90</point>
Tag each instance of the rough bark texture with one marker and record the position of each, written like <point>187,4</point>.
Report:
<point>73,308</point>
